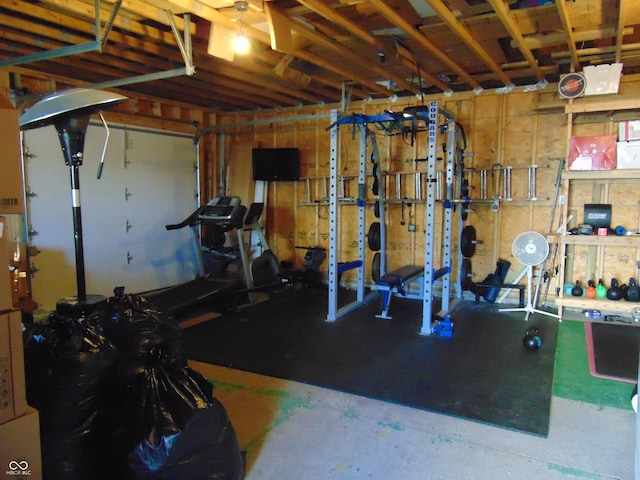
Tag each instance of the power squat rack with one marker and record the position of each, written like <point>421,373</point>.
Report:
<point>430,116</point>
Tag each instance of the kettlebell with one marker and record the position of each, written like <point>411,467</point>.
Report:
<point>614,292</point>
<point>601,290</point>
<point>567,288</point>
<point>532,331</point>
<point>624,287</point>
<point>633,291</point>
<point>531,340</point>
<point>577,291</point>
<point>591,290</point>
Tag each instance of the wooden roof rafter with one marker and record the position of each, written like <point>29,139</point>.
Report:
<point>568,31</point>
<point>504,13</point>
<point>351,57</point>
<point>417,36</point>
<point>374,48</point>
<point>621,24</point>
<point>466,36</point>
<point>336,17</point>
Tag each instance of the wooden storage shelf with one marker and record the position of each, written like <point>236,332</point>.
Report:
<point>619,102</point>
<point>602,176</point>
<point>610,240</point>
<point>596,245</point>
<point>597,304</point>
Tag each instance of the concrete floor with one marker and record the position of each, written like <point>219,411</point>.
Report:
<point>294,431</point>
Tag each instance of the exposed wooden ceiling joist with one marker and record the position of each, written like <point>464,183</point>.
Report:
<point>568,32</point>
<point>373,48</point>
<point>504,13</point>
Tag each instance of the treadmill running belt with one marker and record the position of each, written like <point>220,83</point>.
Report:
<point>192,293</point>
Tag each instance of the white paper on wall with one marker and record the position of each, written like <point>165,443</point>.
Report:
<point>602,79</point>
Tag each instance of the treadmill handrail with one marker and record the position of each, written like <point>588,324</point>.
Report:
<point>190,221</point>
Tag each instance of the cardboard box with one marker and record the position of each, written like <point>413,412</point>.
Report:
<point>629,130</point>
<point>628,154</point>
<point>11,182</point>
<point>21,453</point>
<point>6,300</point>
<point>593,153</point>
<point>13,394</point>
<point>18,268</point>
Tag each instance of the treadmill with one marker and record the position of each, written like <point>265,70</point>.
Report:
<point>221,215</point>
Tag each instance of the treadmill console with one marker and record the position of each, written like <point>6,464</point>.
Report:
<point>222,211</point>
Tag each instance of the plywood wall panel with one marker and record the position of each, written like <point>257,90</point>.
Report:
<point>621,264</point>
<point>279,214</point>
<point>238,169</point>
<point>515,130</point>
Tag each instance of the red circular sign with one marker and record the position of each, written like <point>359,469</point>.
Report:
<point>572,85</point>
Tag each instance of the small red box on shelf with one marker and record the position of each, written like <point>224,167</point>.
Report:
<point>593,153</point>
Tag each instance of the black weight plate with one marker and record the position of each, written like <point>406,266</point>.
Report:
<point>468,241</point>
<point>376,209</point>
<point>375,267</point>
<point>465,188</point>
<point>373,237</point>
<point>465,282</point>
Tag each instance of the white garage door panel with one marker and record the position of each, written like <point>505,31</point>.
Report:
<point>160,178</point>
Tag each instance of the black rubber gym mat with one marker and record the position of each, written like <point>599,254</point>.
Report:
<point>482,373</point>
<point>613,350</point>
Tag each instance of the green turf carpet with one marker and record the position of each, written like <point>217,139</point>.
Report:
<point>573,379</point>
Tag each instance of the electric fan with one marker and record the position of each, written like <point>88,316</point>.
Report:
<point>530,249</point>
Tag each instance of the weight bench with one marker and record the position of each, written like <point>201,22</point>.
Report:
<point>394,282</point>
<point>479,289</point>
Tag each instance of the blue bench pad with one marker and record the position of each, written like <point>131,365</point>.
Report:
<point>399,276</point>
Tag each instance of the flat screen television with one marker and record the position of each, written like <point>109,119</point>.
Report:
<point>276,164</point>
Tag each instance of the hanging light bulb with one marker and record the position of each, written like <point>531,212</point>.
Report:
<point>241,44</point>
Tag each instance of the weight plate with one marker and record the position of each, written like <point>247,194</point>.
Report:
<point>468,241</point>
<point>376,209</point>
<point>465,188</point>
<point>373,237</point>
<point>465,282</point>
<point>375,267</point>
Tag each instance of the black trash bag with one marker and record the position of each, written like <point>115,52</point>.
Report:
<point>207,449</point>
<point>70,372</point>
<point>173,428</point>
<point>136,327</point>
